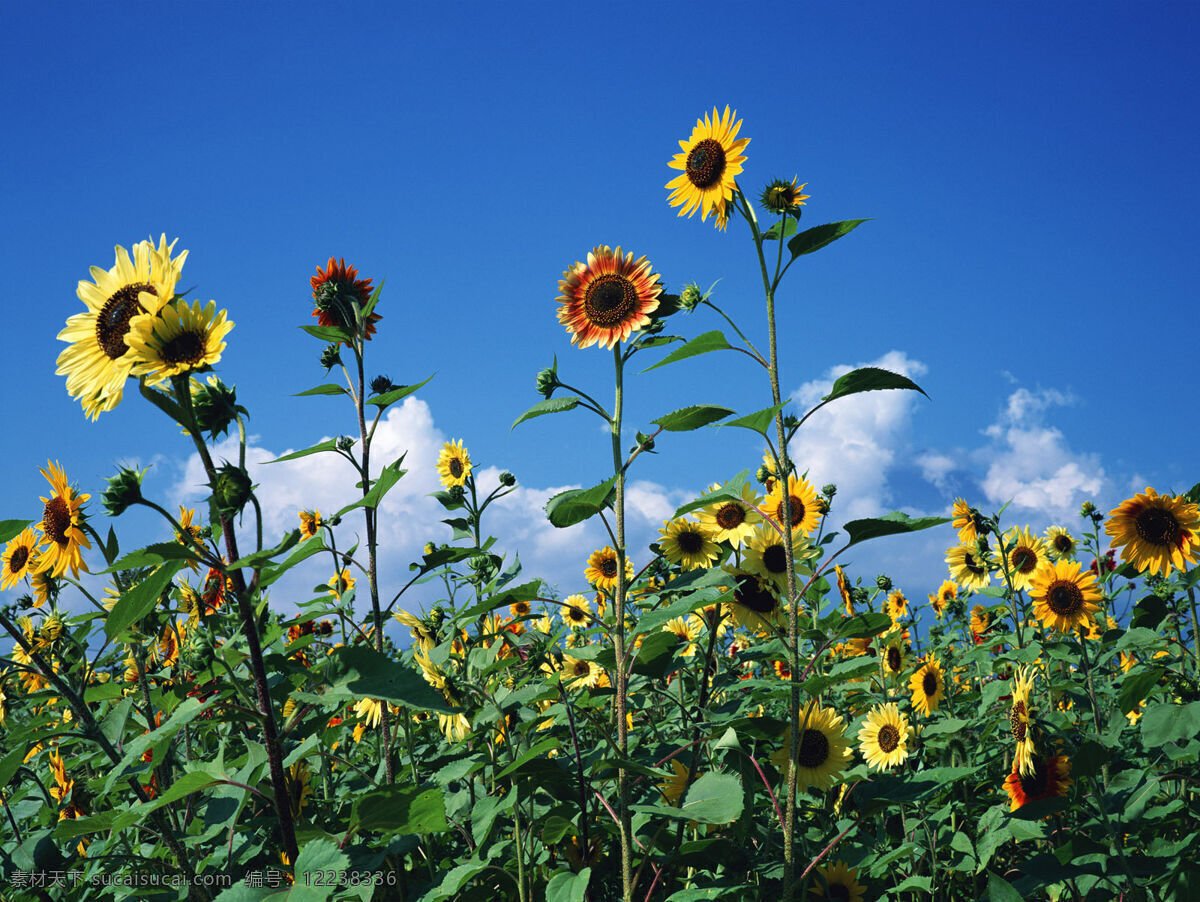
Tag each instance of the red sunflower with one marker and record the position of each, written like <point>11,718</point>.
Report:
<point>334,288</point>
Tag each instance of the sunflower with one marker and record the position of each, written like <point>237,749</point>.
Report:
<point>711,160</point>
<point>606,299</point>
<point>336,289</point>
<point>687,630</point>
<point>823,750</point>
<point>672,787</point>
<point>62,519</point>
<point>884,736</point>
<point>966,520</point>
<point>766,555</point>
<point>1028,552</point>
<point>844,589</point>
<point>688,544</point>
<point>455,727</point>
<point>981,621</point>
<point>418,629</point>
<point>1020,721</point>
<point>732,520</point>
<point>576,612</point>
<point>782,669</point>
<point>1047,778</point>
<point>299,786</point>
<point>928,686</point>
<point>310,523</point>
<point>98,361</point>
<point>369,711</point>
<point>520,609</point>
<point>43,584</point>
<point>1060,544</point>
<point>782,196</point>
<point>754,605</point>
<point>967,567</point>
<point>19,558</point>
<point>453,464</point>
<point>1156,532</point>
<point>181,338</point>
<point>894,655</point>
<point>839,881</point>
<point>601,569</point>
<point>430,671</point>
<point>340,583</point>
<point>1093,630</point>
<point>580,674</point>
<point>806,514</point>
<point>1063,597</point>
<point>896,605</point>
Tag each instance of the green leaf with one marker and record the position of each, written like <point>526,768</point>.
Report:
<point>534,751</point>
<point>402,809</point>
<point>329,388</point>
<point>140,600</point>
<point>328,333</point>
<point>9,764</point>
<point>1088,759</point>
<point>550,405</point>
<point>397,394</point>
<point>759,421</point>
<point>103,692</point>
<point>327,445</point>
<point>817,237</point>
<point>891,524</point>
<point>1000,890</point>
<point>387,478</point>
<point>567,887</point>
<point>1165,723</point>
<point>701,344</point>
<point>312,545</point>
<point>1137,685</point>
<point>869,378</point>
<point>862,625</point>
<point>656,655</point>
<point>576,505</point>
<point>789,229</point>
<point>259,557</point>
<point>713,799</point>
<point>10,529</point>
<point>731,490</point>
<point>525,592</point>
<point>318,859</point>
<point>358,671</point>
<point>152,555</point>
<point>688,418</point>
<point>185,785</point>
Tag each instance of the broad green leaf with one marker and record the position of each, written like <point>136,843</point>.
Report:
<point>329,388</point>
<point>861,626</point>
<point>1163,723</point>
<point>567,887</point>
<point>357,671</point>
<point>576,505</point>
<point>818,236</point>
<point>789,229</point>
<point>400,808</point>
<point>387,478</point>
<point>869,378</point>
<point>70,828</point>
<point>103,692</point>
<point>713,799</point>
<point>728,491</point>
<point>688,418</point>
<point>328,333</point>
<point>140,600</point>
<point>550,405</point>
<point>534,751</point>
<point>327,445</point>
<point>1137,685</point>
<point>524,592</point>
<point>260,557</point>
<point>891,524</point>
<point>655,657</point>
<point>312,545</point>
<point>759,421</point>
<point>185,712</point>
<point>701,344</point>
<point>842,671</point>
<point>153,555</point>
<point>555,828</point>
<point>9,764</point>
<point>10,529</point>
<point>318,860</point>
<point>185,785</point>
<point>1000,890</point>
<point>396,394</point>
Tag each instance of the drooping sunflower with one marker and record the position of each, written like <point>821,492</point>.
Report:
<point>1156,532</point>
<point>19,558</point>
<point>604,300</point>
<point>883,738</point>
<point>299,786</point>
<point>1060,543</point>
<point>755,606</point>
<point>823,750</point>
<point>981,621</point>
<point>601,569</point>
<point>1027,554</point>
<point>62,521</point>
<point>1020,721</point>
<point>946,593</point>
<point>967,521</point>
<point>711,160</point>
<point>844,589</point>
<point>1048,777</point>
<point>310,523</point>
<point>732,521</point>
<point>1064,596</point>
<point>455,727</point>
<point>453,464</point>
<point>45,586</point>
<point>687,630</point>
<point>766,555</point>
<point>98,361</point>
<point>418,629</point>
<point>686,543</point>
<point>967,567</point>
<point>181,338</point>
<point>336,289</point>
<point>839,881</point>
<point>369,711</point>
<point>672,787</point>
<point>576,612</point>
<point>928,686</point>
<point>802,498</point>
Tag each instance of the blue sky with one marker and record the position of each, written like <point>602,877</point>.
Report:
<point>1030,172</point>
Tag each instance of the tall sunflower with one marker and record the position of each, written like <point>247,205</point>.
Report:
<point>711,160</point>
<point>1063,596</point>
<point>687,630</point>
<point>839,881</point>
<point>1047,778</point>
<point>606,299</point>
<point>966,520</point>
<point>883,739</point>
<point>62,522</point>
<point>336,290</point>
<point>730,520</point>
<point>1020,721</point>
<point>967,567</point>
<point>1028,552</point>
<point>181,338</point>
<point>453,464</point>
<point>754,606</point>
<point>1060,543</point>
<point>19,558</point>
<point>928,686</point>
<point>1156,532</point>
<point>688,544</point>
<point>823,750</point>
<point>766,555</point>
<point>580,674</point>
<point>893,657</point>
<point>946,593</point>
<point>806,514</point>
<point>98,360</point>
<point>896,605</point>
<point>576,612</point>
<point>601,570</point>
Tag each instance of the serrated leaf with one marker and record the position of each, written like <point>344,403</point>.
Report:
<point>152,555</point>
<point>731,490</point>
<point>1137,685</point>
<point>759,421</point>
<point>140,600</point>
<point>185,785</point>
<point>819,236</point>
<point>688,418</point>
<point>550,405</point>
<point>891,524</point>
<point>870,378</point>
<point>656,655</point>
<point>713,799</point>
<point>312,545</point>
<point>318,858</point>
<point>402,809</point>
<point>357,671</point>
<point>387,478</point>
<point>576,505</point>
<point>860,626</point>
<point>10,529</point>
<point>1000,890</point>
<point>701,344</point>
<point>327,445</point>
<point>397,394</point>
<point>789,229</point>
<point>329,388</point>
<point>1163,723</point>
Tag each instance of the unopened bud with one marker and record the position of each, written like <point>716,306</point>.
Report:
<point>507,479</point>
<point>123,490</point>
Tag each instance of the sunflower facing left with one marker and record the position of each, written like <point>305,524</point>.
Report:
<point>711,160</point>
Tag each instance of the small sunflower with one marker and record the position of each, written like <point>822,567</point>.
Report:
<point>782,196</point>
<point>310,523</point>
<point>519,609</point>
<point>766,555</point>
<point>425,637</point>
<point>1027,554</point>
<point>98,361</point>
<point>336,289</point>
<point>181,338</point>
<point>453,464</point>
<point>711,160</point>
<point>576,612</point>
<point>732,521</point>
<point>967,567</point>
<point>839,881</point>
<point>45,586</point>
<point>1060,544</point>
<point>896,605</point>
<point>1063,596</point>
<point>754,605</point>
<point>369,711</point>
<point>191,534</point>
<point>601,569</point>
<point>712,617</point>
<point>802,498</point>
<point>299,786</point>
<point>606,299</point>
<point>455,727</point>
<point>893,657</point>
<point>580,674</point>
<point>62,521</point>
<point>19,558</point>
<point>1020,721</point>
<point>884,736</point>
<point>686,543</point>
<point>844,589</point>
<point>687,630</point>
<point>981,621</point>
<point>1156,532</point>
<point>967,521</point>
<point>928,686</point>
<point>1048,777</point>
<point>823,750</point>
<point>341,583</point>
<point>672,787</point>
<point>946,593</point>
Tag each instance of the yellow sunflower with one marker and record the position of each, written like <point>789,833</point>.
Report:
<point>369,711</point>
<point>1047,778</point>
<point>928,686</point>
<point>839,881</point>
<point>455,727</point>
<point>1063,596</point>
<point>782,196</point>
<point>19,558</point>
<point>62,521</point>
<point>823,750</point>
<point>1156,532</point>
<point>687,543</point>
<point>580,674</point>
<point>672,787</point>
<point>576,612</point>
<point>883,739</point>
<point>894,655</point>
<point>754,605</point>
<point>946,593</point>
<point>341,583</point>
<point>712,617</point>
<point>711,160</point>
<point>966,521</point>
<point>732,521</point>
<point>181,338</point>
<point>98,361</point>
<point>1060,543</point>
<point>417,628</point>
<point>766,555</point>
<point>1028,552</point>
<point>687,630</point>
<point>310,523</point>
<point>453,464</point>
<point>601,569</point>
<point>604,300</point>
<point>967,567</point>
<point>1020,721</point>
<point>806,514</point>
<point>43,584</point>
<point>981,621</point>
<point>844,589</point>
<point>896,605</point>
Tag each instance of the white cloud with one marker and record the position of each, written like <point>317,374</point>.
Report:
<point>936,468</point>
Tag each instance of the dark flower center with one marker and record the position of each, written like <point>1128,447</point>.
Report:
<point>19,556</point>
<point>1036,784</point>
<point>608,300</point>
<point>576,615</point>
<point>730,516</point>
<point>1016,721</point>
<point>581,669</point>
<point>690,541</point>
<point>894,659</point>
<point>706,163</point>
<point>775,559</point>
<point>929,683</point>
<point>56,520</point>
<point>797,509</point>
<point>608,567</point>
<point>889,738</point>
<point>973,566</point>
<point>1063,544</point>
<point>751,595</point>
<point>1157,527</point>
<point>112,322</point>
<point>456,468</point>
<point>839,891</point>
<point>1064,598</point>
<point>1023,559</point>
<point>814,749</point>
<point>186,347</point>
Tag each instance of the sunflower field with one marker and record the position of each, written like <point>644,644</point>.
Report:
<point>725,714</point>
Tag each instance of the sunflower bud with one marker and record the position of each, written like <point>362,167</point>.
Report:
<point>345,443</point>
<point>762,474</point>
<point>124,490</point>
<point>507,479</point>
<point>330,356</point>
<point>428,549</point>
<point>456,493</point>
<point>215,406</point>
<point>1087,509</point>
<point>231,488</point>
<point>823,506</point>
<point>197,651</point>
<point>547,380</point>
<point>829,490</point>
<point>437,614</point>
<point>884,582</point>
<point>783,197</point>
<point>381,384</point>
<point>690,297</point>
